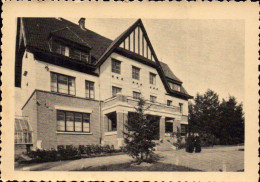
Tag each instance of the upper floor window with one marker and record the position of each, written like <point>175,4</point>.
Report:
<point>152,78</point>
<point>169,103</point>
<point>181,107</point>
<point>73,121</point>
<point>175,87</point>
<point>89,89</point>
<point>136,95</point>
<point>152,98</point>
<point>62,84</point>
<point>60,48</point>
<point>135,73</point>
<point>116,90</point>
<point>116,66</point>
<point>70,52</point>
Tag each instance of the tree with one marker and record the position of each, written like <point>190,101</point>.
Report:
<point>231,115</point>
<point>204,116</point>
<point>220,123</point>
<point>140,130</point>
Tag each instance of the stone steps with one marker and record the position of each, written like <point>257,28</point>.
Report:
<point>164,146</point>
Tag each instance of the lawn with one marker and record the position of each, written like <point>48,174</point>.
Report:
<point>129,166</point>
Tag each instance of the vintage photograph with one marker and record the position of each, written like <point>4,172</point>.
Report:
<point>129,94</point>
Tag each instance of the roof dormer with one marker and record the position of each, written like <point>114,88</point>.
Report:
<point>69,44</point>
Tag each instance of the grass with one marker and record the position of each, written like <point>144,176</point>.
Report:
<point>158,166</point>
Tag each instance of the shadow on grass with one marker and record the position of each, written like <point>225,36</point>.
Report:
<point>131,166</point>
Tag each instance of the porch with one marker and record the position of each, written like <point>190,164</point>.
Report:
<point>116,110</point>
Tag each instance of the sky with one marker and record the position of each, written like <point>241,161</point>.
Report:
<point>204,54</point>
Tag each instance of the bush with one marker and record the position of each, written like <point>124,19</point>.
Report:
<point>179,145</point>
<point>108,149</point>
<point>43,155</point>
<point>69,152</point>
<point>208,140</point>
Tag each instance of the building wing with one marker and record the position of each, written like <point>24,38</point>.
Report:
<point>133,43</point>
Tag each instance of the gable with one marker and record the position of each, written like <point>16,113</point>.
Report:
<point>134,43</point>
<point>137,42</point>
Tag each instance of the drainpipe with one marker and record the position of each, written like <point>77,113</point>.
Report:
<point>100,114</point>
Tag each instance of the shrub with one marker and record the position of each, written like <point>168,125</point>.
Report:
<point>69,152</point>
<point>108,149</point>
<point>43,155</point>
<point>208,140</point>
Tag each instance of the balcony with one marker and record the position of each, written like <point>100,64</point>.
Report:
<point>130,102</point>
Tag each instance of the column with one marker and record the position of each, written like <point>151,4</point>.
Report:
<point>162,127</point>
<point>121,121</point>
<point>176,125</point>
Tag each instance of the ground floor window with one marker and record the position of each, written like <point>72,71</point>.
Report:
<point>112,121</point>
<point>183,129</point>
<point>73,121</point>
<point>168,127</point>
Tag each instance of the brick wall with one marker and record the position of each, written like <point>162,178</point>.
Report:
<point>30,110</point>
<point>47,120</point>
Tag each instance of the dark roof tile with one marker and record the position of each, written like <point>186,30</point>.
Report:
<point>37,31</point>
<point>168,72</point>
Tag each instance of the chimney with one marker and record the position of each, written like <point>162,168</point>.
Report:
<point>82,23</point>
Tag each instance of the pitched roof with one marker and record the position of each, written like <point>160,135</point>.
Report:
<point>37,31</point>
<point>168,72</point>
<point>68,34</point>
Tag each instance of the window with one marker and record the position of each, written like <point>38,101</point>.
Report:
<point>60,49</point>
<point>116,90</point>
<point>168,127</point>
<point>84,57</point>
<point>72,121</point>
<point>181,107</point>
<point>152,78</point>
<point>169,103</point>
<point>89,89</point>
<point>116,66</point>
<point>70,52</point>
<point>136,95</point>
<point>23,132</point>
<point>62,84</point>
<point>75,54</point>
<point>183,129</point>
<point>152,98</point>
<point>112,121</point>
<point>175,87</point>
<point>135,73</point>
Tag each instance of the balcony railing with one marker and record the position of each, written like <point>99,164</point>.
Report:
<point>133,102</point>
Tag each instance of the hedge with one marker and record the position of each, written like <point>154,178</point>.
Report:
<point>70,152</point>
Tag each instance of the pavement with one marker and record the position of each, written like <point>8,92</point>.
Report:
<point>210,159</point>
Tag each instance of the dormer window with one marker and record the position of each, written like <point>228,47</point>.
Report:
<point>175,87</point>
<point>60,49</point>
<point>73,53</point>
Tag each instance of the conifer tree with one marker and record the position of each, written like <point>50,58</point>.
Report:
<point>139,135</point>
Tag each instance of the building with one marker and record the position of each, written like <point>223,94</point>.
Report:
<point>78,87</point>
